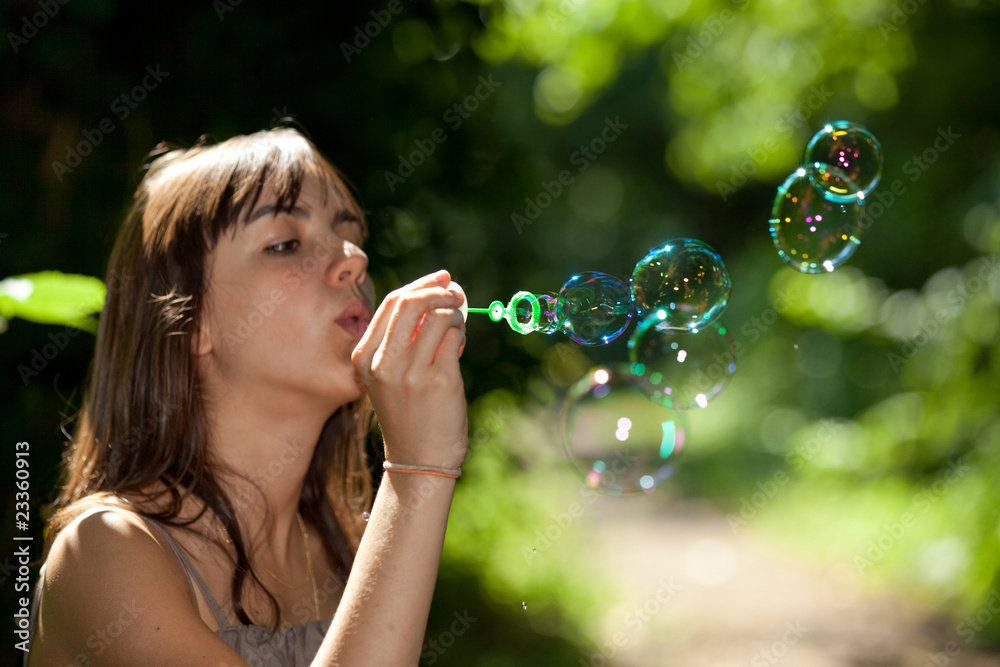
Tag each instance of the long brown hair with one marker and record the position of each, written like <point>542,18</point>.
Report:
<point>142,424</point>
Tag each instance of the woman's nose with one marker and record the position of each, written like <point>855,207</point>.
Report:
<point>350,267</point>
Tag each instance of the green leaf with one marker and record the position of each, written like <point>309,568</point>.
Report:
<point>51,297</point>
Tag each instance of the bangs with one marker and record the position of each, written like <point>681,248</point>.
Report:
<point>203,191</point>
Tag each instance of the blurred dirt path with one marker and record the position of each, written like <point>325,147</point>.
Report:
<point>695,594</point>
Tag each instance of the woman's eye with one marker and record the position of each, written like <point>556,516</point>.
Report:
<point>282,248</point>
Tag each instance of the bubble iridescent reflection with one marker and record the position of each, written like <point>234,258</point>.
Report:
<point>684,369</point>
<point>686,279</point>
<point>811,233</point>
<point>548,322</point>
<point>620,441</point>
<point>844,161</point>
<point>594,308</point>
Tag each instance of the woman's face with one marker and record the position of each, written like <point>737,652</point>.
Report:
<point>287,301</point>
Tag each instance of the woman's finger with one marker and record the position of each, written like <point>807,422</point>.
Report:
<point>452,344</point>
<point>364,352</point>
<point>410,309</point>
<point>432,332</point>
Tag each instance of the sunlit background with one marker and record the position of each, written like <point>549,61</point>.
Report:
<point>835,505</point>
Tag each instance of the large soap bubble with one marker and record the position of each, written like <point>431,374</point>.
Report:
<point>812,233</point>
<point>594,308</point>
<point>844,161</point>
<point>619,440</point>
<point>685,369</point>
<point>684,278</point>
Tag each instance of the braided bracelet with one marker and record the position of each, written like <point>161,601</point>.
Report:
<point>453,473</point>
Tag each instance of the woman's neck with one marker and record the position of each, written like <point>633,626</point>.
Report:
<point>263,455</point>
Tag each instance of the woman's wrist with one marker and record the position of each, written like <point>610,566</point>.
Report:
<point>405,468</point>
<point>449,459</point>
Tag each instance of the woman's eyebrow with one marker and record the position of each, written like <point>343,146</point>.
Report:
<point>295,211</point>
<point>345,215</point>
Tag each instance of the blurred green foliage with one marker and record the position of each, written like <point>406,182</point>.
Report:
<point>874,387</point>
<point>51,297</point>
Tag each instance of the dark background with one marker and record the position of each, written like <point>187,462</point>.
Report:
<point>904,70</point>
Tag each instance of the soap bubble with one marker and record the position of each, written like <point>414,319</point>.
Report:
<point>844,161</point>
<point>812,233</point>
<point>549,321</point>
<point>619,440</point>
<point>684,369</point>
<point>686,279</point>
<point>594,308</point>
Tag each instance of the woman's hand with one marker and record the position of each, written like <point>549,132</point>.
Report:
<point>408,362</point>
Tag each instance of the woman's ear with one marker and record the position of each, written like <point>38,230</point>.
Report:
<point>201,340</point>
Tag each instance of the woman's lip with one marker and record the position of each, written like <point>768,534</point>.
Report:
<point>356,309</point>
<point>356,326</point>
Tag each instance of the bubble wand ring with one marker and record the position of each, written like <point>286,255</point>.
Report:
<point>497,311</point>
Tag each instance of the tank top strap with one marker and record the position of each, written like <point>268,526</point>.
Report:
<point>191,573</point>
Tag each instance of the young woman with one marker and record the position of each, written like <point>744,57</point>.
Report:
<point>212,508</point>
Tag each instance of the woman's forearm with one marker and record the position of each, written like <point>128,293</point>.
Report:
<point>382,616</point>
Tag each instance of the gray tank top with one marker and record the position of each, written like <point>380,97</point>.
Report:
<point>290,646</point>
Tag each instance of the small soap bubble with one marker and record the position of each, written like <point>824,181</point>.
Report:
<point>535,312</point>
<point>594,308</point>
<point>619,440</point>
<point>811,233</point>
<point>844,161</point>
<point>685,369</point>
<point>548,322</point>
<point>366,516</point>
<point>686,279</point>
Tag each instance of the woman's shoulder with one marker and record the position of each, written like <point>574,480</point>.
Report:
<point>108,548</point>
<point>111,582</point>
